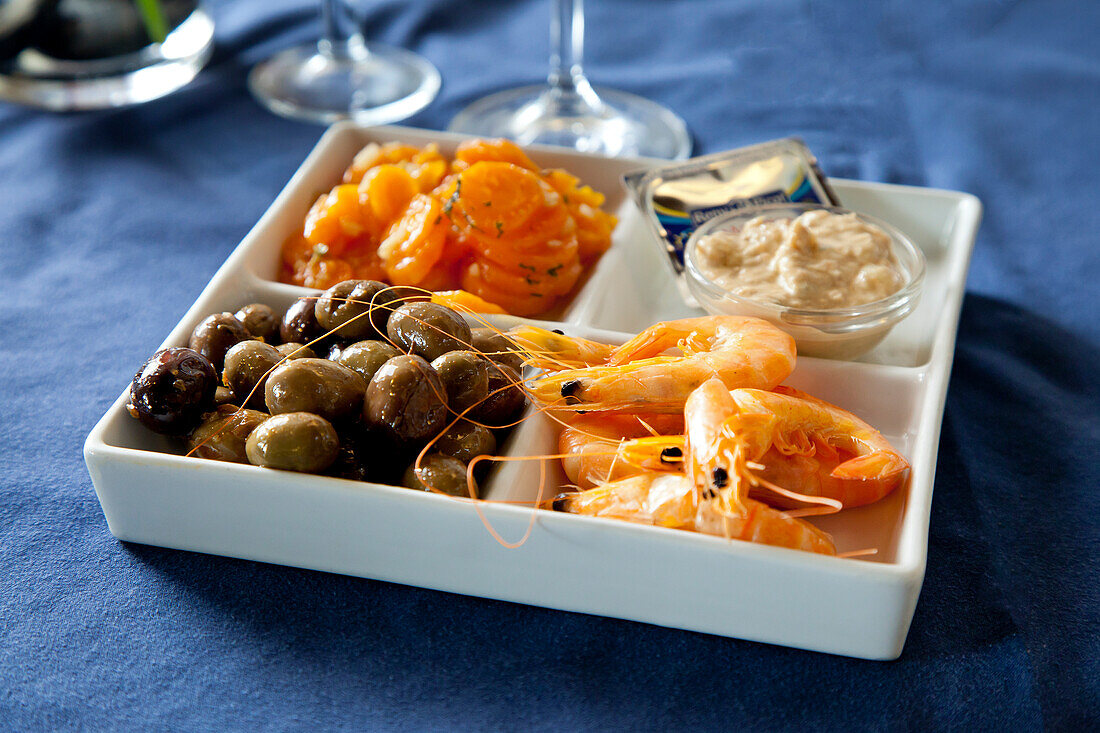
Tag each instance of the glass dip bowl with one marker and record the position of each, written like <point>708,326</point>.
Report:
<point>832,333</point>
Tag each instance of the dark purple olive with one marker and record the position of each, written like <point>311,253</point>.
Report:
<point>216,334</point>
<point>299,322</point>
<point>506,397</point>
<point>172,391</point>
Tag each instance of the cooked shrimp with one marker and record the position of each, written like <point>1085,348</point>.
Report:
<point>671,500</point>
<point>742,352</point>
<point>853,463</point>
<point>591,446</point>
<point>555,350</point>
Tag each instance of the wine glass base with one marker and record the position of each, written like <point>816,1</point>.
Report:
<point>621,125</point>
<point>376,86</point>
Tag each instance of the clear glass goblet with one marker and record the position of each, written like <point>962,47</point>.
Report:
<point>343,76</point>
<point>570,112</point>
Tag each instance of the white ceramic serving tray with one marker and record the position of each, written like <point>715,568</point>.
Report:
<point>858,607</point>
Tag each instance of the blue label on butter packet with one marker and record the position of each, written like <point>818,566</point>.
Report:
<point>677,198</point>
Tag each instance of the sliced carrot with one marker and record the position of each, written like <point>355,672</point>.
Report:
<point>463,300</point>
<point>505,151</point>
<point>494,198</point>
<point>415,242</point>
<point>518,305</point>
<point>374,154</point>
<point>336,220</point>
<point>385,191</point>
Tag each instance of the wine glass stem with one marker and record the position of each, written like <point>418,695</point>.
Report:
<point>341,36</point>
<point>566,44</point>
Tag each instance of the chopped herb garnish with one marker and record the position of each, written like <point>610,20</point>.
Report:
<point>500,228</point>
<point>553,271</point>
<point>488,203</point>
<point>527,267</point>
<point>453,197</point>
<point>530,280</point>
<point>537,295</point>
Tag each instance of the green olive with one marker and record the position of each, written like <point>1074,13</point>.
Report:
<point>429,330</point>
<point>296,350</point>
<point>246,368</point>
<point>465,374</point>
<point>464,441</point>
<point>407,398</point>
<point>222,434</point>
<point>260,320</point>
<point>294,441</point>
<point>314,385</point>
<point>438,473</point>
<point>497,347</point>
<point>367,357</point>
<point>352,309</point>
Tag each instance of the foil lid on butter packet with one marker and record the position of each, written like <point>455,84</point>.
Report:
<point>679,197</point>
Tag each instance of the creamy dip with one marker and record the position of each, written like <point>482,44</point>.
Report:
<point>818,260</point>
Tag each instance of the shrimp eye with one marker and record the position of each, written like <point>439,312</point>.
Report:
<point>568,388</point>
<point>721,478</point>
<point>558,331</point>
<point>560,502</point>
<point>670,455</point>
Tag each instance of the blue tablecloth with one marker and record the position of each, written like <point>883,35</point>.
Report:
<point>112,223</point>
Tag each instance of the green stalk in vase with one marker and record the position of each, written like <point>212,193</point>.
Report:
<point>152,15</point>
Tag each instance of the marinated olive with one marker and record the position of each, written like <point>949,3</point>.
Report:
<point>294,441</point>
<point>335,349</point>
<point>428,330</point>
<point>464,441</point>
<point>465,374</point>
<point>366,357</point>
<point>260,320</point>
<point>438,473</point>
<point>222,435</point>
<point>224,396</point>
<point>351,462</point>
<point>300,323</point>
<point>407,397</point>
<point>497,347</point>
<point>314,385</point>
<point>246,366</point>
<point>296,350</point>
<point>353,309</point>
<point>172,390</point>
<point>505,400</point>
<point>214,336</point>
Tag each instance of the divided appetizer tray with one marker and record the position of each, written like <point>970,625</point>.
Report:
<point>152,494</point>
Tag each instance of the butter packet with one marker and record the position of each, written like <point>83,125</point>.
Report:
<point>677,198</point>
